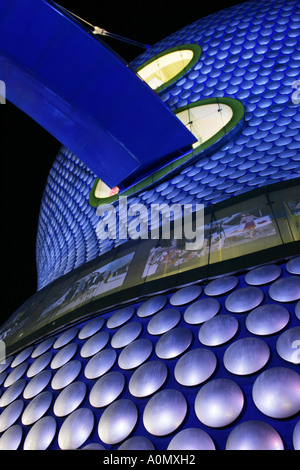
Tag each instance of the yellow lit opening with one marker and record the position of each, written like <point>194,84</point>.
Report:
<point>102,190</point>
<point>206,120</point>
<point>163,69</point>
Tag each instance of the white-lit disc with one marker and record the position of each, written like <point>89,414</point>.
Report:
<point>276,392</point>
<point>219,403</point>
<point>41,434</point>
<point>164,412</point>
<point>246,356</point>
<point>191,439</point>
<point>117,421</point>
<point>76,429</point>
<point>254,435</point>
<point>195,367</point>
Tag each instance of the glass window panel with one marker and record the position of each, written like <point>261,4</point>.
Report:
<point>102,190</point>
<point>243,228</point>
<point>286,207</point>
<point>206,120</point>
<point>163,69</point>
<point>174,255</point>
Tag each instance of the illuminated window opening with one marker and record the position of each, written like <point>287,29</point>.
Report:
<point>165,68</point>
<point>209,119</point>
<point>102,190</point>
<point>206,120</point>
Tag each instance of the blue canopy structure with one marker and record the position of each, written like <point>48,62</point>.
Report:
<point>84,94</point>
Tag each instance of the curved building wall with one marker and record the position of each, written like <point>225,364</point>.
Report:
<point>208,366</point>
<point>250,53</point>
<point>204,362</point>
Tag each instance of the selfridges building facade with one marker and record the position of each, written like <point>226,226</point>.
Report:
<point>145,345</point>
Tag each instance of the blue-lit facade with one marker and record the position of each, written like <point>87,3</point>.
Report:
<point>253,58</point>
<point>207,357</point>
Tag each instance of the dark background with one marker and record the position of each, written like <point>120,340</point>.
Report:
<point>28,151</point>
